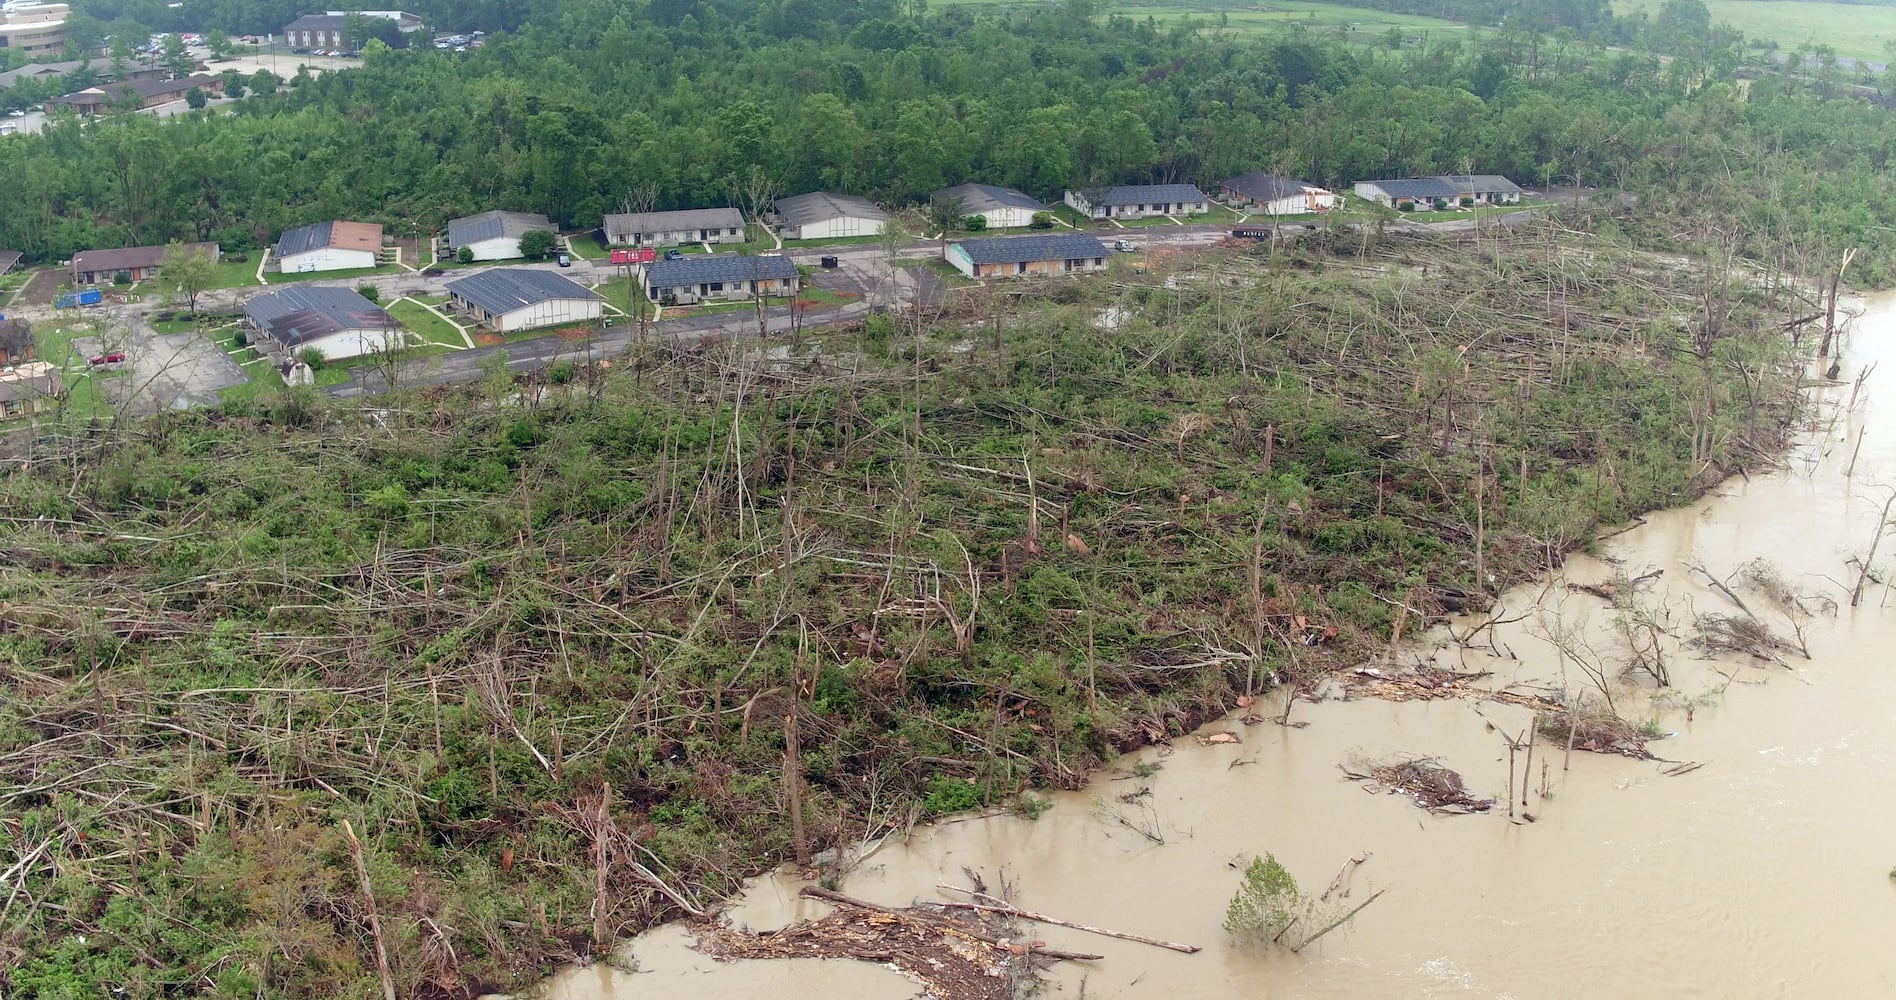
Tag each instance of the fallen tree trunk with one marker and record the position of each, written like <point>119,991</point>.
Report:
<point>990,904</point>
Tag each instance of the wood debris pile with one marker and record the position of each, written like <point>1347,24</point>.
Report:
<point>1425,683</point>
<point>1595,732</point>
<point>1423,779</point>
<point>954,954</point>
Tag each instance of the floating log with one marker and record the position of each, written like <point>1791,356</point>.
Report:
<point>991,904</point>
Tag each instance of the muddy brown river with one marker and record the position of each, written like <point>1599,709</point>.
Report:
<point>1764,873</point>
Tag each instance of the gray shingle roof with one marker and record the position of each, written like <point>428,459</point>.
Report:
<point>1266,187</point>
<point>504,289</point>
<point>1014,249</point>
<point>341,235</point>
<point>493,225</point>
<point>822,206</point>
<point>978,198</point>
<point>130,258</point>
<point>693,269</point>
<point>1147,194</point>
<point>295,316</point>
<point>317,22</point>
<point>1481,183</point>
<point>1417,187</point>
<point>671,222</point>
<point>8,258</point>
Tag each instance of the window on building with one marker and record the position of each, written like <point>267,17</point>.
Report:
<point>717,286</point>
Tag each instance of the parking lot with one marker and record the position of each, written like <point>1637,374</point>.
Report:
<point>162,371</point>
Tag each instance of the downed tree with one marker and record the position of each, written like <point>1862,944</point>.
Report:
<point>990,904</point>
<point>956,954</point>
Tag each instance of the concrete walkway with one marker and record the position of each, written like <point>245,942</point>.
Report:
<point>444,317</point>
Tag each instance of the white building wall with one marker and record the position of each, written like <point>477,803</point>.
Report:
<point>350,343</point>
<point>1008,218</point>
<point>549,313</point>
<point>325,259</point>
<point>498,248</point>
<point>828,229</point>
<point>959,258</point>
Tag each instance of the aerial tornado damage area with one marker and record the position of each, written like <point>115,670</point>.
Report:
<point>978,501</point>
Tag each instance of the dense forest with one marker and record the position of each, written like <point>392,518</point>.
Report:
<point>596,102</point>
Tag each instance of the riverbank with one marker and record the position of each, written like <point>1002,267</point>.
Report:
<point>1635,878</point>
<point>505,629</point>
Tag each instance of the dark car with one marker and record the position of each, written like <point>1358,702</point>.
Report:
<point>566,261</point>
<point>674,253</point>
<point>108,358</point>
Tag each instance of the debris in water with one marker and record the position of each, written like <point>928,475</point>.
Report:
<point>954,955</point>
<point>1432,786</point>
<point>1216,738</point>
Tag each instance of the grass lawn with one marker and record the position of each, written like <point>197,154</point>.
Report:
<point>1858,31</point>
<point>426,325</point>
<point>589,245</point>
<point>264,381</point>
<point>1067,214</point>
<point>346,273</point>
<point>615,292</point>
<point>1462,214</point>
<point>433,300</point>
<point>235,274</point>
<point>709,309</point>
<point>832,241</point>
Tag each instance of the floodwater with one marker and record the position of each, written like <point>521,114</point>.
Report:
<point>1765,873</point>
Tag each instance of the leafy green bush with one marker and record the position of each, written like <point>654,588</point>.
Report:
<point>1267,902</point>
<point>950,795</point>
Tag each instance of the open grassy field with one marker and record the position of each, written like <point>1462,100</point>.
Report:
<point>1359,24</point>
<point>1858,31</point>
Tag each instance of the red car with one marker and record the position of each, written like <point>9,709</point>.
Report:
<point>109,358</point>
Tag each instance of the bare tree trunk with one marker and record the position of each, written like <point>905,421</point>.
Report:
<point>368,904</point>
<point>793,787</point>
<point>1863,571</point>
<point>602,826</point>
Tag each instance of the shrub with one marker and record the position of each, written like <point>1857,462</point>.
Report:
<point>122,278</point>
<point>1468,202</point>
<point>950,795</point>
<point>1407,206</point>
<point>1266,903</point>
<point>1042,220</point>
<point>313,357</point>
<point>974,224</point>
<point>465,256</point>
<point>561,372</point>
<point>370,292</point>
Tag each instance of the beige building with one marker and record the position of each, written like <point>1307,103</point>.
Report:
<point>38,29</point>
<point>27,388</point>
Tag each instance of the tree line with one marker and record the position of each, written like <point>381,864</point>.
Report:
<point>595,107</point>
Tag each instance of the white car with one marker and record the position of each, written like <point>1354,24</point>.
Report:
<point>16,114</point>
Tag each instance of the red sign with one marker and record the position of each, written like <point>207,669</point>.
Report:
<point>642,255</point>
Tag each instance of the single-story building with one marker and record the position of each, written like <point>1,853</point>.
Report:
<point>1020,256</point>
<point>329,246</point>
<point>145,93</point>
<point>9,259</point>
<point>1003,208</point>
<point>669,229</point>
<point>1485,189</point>
<point>521,298</point>
<point>495,235</point>
<point>339,322</point>
<point>16,341</point>
<point>1139,201</point>
<point>101,71</point>
<point>1270,194</point>
<point>821,215</point>
<point>28,387</point>
<point>1445,191</point>
<point>101,267</point>
<point>724,276</point>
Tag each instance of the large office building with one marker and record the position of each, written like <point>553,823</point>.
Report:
<point>38,29</point>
